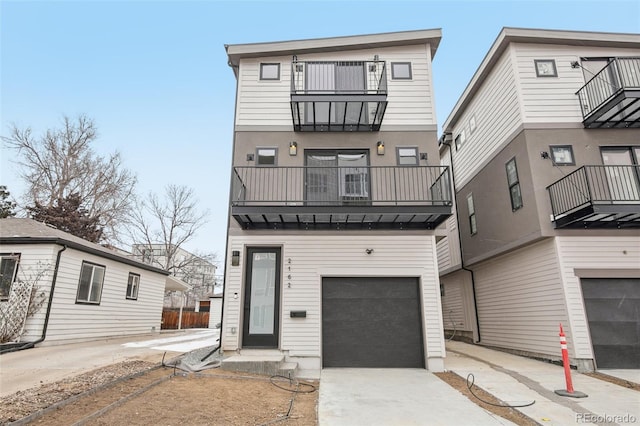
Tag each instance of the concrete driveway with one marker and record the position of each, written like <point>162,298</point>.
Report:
<point>32,367</point>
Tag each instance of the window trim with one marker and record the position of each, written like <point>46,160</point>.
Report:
<point>16,256</point>
<point>471,210</point>
<point>551,62</point>
<point>459,140</point>
<point>136,287</point>
<point>104,273</point>
<point>393,72</point>
<point>513,185</point>
<point>263,78</point>
<point>416,156</point>
<point>275,156</point>
<point>562,163</point>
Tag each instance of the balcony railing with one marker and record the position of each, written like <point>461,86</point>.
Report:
<point>612,97</point>
<point>597,196</point>
<point>342,96</point>
<point>341,197</point>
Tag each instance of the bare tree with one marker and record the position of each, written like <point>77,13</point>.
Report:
<point>167,223</point>
<point>62,162</point>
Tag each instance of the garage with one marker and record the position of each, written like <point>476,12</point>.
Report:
<point>613,313</point>
<point>372,323</point>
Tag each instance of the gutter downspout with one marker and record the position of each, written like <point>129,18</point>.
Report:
<point>447,141</point>
<point>30,345</point>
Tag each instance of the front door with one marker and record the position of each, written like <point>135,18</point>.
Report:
<point>262,298</point>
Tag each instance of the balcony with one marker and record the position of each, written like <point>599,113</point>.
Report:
<point>338,96</point>
<point>611,99</point>
<point>597,197</point>
<point>310,198</point>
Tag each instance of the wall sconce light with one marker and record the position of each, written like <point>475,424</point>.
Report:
<point>544,155</point>
<point>369,251</point>
<point>235,258</point>
<point>249,157</point>
<point>380,147</point>
<point>293,148</point>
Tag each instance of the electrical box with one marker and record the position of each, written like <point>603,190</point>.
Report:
<point>298,314</point>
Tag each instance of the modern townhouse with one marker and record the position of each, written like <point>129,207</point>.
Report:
<point>336,192</point>
<point>544,145</point>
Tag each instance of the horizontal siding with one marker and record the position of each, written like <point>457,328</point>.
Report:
<point>598,252</point>
<point>448,248</point>
<point>495,109</point>
<point>114,316</point>
<point>267,103</point>
<point>453,309</point>
<point>313,257</point>
<point>521,301</point>
<point>554,99</point>
<point>215,312</point>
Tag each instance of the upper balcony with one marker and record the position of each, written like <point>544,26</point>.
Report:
<point>398,197</point>
<point>597,197</point>
<point>338,96</point>
<point>611,99</point>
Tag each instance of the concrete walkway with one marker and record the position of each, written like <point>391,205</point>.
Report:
<point>32,367</point>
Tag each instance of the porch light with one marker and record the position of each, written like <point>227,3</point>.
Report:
<point>380,146</point>
<point>293,148</point>
<point>235,258</point>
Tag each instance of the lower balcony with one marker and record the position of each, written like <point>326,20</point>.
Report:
<point>597,197</point>
<point>310,198</point>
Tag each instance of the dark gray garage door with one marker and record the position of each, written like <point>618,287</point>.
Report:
<point>613,312</point>
<point>371,322</point>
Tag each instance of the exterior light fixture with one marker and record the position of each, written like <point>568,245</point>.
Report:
<point>380,147</point>
<point>293,148</point>
<point>235,258</point>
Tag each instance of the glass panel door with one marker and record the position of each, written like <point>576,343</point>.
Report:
<point>337,177</point>
<point>320,79</point>
<point>622,178</point>
<point>262,298</point>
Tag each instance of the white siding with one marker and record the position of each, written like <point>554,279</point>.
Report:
<point>453,306</point>
<point>521,300</point>
<point>448,248</point>
<point>114,316</point>
<point>268,103</point>
<point>554,99</point>
<point>603,253</point>
<point>315,256</point>
<point>215,311</point>
<point>496,111</point>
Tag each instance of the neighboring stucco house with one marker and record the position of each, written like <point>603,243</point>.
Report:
<point>336,193</point>
<point>545,146</point>
<point>87,291</point>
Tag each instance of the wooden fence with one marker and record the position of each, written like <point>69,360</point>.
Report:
<point>190,319</point>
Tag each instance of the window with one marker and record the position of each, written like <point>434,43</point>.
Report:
<point>266,156</point>
<point>90,286</point>
<point>545,67</point>
<point>459,140</point>
<point>269,71</point>
<point>132,286</point>
<point>472,215</point>
<point>472,124</point>
<point>514,184</point>
<point>407,156</point>
<point>562,155</point>
<point>401,70</point>
<point>8,270</point>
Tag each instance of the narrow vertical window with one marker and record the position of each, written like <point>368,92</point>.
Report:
<point>8,269</point>
<point>132,286</point>
<point>473,227</point>
<point>514,184</point>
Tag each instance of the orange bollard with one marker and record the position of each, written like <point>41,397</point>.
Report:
<point>569,391</point>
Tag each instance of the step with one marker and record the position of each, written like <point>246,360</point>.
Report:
<point>268,365</point>
<point>288,369</point>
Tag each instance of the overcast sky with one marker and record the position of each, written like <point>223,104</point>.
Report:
<point>154,74</point>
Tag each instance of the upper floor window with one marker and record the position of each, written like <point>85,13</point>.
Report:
<point>407,156</point>
<point>545,68</point>
<point>401,70</point>
<point>90,285</point>
<point>269,71</point>
<point>459,140</point>
<point>562,155</point>
<point>132,286</point>
<point>266,156</point>
<point>8,270</point>
<point>514,184</point>
<point>473,226</point>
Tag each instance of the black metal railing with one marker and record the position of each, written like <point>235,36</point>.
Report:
<point>619,75</point>
<point>338,77</point>
<point>595,185</point>
<point>341,186</point>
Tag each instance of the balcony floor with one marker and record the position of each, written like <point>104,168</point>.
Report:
<point>601,216</point>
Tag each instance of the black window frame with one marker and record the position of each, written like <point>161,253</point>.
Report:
<point>393,71</point>
<point>514,186</point>
<point>275,156</point>
<point>552,148</point>
<point>3,256</point>
<point>459,140</point>
<point>137,286</point>
<point>416,156</point>
<point>88,301</point>
<point>471,210</point>
<point>263,78</point>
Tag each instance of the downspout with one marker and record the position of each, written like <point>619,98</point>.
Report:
<point>29,345</point>
<point>447,141</point>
